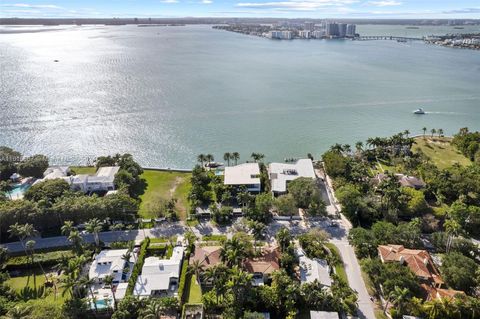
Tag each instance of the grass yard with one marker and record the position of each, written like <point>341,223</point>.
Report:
<point>340,268</point>
<point>31,285</point>
<point>165,185</point>
<point>194,291</point>
<point>439,149</point>
<point>90,170</point>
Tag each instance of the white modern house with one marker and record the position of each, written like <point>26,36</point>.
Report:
<point>282,173</point>
<point>110,262</point>
<point>313,269</point>
<point>102,181</point>
<point>247,174</point>
<point>160,277</point>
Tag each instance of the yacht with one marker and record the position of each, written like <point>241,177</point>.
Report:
<point>419,111</point>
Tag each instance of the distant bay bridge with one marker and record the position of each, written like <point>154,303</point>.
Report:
<point>387,37</point>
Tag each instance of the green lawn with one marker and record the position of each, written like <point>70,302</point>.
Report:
<point>90,170</point>
<point>442,153</point>
<point>194,291</point>
<point>340,268</point>
<point>31,285</point>
<point>165,185</point>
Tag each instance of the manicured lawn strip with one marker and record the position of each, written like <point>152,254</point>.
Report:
<point>193,290</point>
<point>165,185</point>
<point>340,268</point>
<point>183,279</point>
<point>440,151</point>
<point>219,238</point>
<point>89,170</point>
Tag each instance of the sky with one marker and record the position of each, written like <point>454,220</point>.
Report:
<point>407,9</point>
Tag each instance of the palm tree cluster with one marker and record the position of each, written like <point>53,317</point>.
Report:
<point>205,159</point>
<point>257,157</point>
<point>395,145</point>
<point>227,157</point>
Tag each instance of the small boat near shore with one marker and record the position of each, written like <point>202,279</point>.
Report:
<point>419,111</point>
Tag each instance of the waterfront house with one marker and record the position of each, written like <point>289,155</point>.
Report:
<point>110,263</point>
<point>102,181</point>
<point>160,277</point>
<point>263,266</point>
<point>281,174</point>
<point>247,174</point>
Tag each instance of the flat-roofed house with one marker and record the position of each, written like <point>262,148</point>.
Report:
<point>282,173</point>
<point>419,261</point>
<point>160,277</point>
<point>109,263</point>
<point>323,315</point>
<point>247,174</point>
<point>313,269</point>
<point>263,266</point>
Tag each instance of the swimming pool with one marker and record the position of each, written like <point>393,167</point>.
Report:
<point>101,303</point>
<point>18,190</point>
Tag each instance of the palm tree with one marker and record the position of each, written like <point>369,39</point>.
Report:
<point>424,129</point>
<point>227,157</point>
<point>6,187</point>
<point>126,258</point>
<point>359,146</point>
<point>108,280</point>
<point>153,310</point>
<point>434,308</point>
<point>94,226</point>
<point>257,229</point>
<point>235,157</point>
<point>406,133</point>
<point>22,232</point>
<point>30,245</point>
<point>196,268</point>
<point>209,158</point>
<point>257,157</point>
<point>283,238</point>
<point>67,228</point>
<point>76,240</point>
<point>452,228</point>
<point>440,132</point>
<point>399,297</point>
<point>433,131</point>
<point>88,284</point>
<point>201,159</point>
<point>233,252</point>
<point>347,148</point>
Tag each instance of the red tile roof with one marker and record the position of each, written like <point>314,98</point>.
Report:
<point>433,293</point>
<point>208,256</point>
<point>419,261</point>
<point>266,264</point>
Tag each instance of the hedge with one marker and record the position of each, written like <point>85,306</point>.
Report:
<point>48,259</point>
<point>183,278</point>
<point>138,267</point>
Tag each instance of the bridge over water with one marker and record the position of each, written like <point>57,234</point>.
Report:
<point>387,37</point>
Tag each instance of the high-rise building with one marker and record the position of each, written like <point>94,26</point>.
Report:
<point>331,29</point>
<point>342,30</point>
<point>317,34</point>
<point>287,35</point>
<point>304,34</point>
<point>310,26</point>
<point>351,30</point>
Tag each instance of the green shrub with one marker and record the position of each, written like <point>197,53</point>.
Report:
<point>183,279</point>
<point>138,266</point>
<point>47,259</point>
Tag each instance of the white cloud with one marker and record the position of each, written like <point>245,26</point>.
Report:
<point>31,6</point>
<point>385,3</point>
<point>296,5</point>
<point>169,1</point>
<point>207,1</point>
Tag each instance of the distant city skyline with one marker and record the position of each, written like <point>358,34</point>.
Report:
<point>388,9</point>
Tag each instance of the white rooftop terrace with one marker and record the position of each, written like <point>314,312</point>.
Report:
<point>281,173</point>
<point>313,269</point>
<point>243,174</point>
<point>109,262</point>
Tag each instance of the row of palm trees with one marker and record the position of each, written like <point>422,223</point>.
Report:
<point>204,159</point>
<point>433,132</point>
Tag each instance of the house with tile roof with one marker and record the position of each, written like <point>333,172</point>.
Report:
<point>263,266</point>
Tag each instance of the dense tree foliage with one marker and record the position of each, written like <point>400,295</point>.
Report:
<point>8,160</point>
<point>33,166</point>
<point>47,191</point>
<point>460,272</point>
<point>306,195</point>
<point>468,143</point>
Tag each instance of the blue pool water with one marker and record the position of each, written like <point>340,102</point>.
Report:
<point>18,191</point>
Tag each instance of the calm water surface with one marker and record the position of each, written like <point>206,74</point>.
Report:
<point>166,94</point>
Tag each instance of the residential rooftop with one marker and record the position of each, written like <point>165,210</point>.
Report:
<point>282,173</point>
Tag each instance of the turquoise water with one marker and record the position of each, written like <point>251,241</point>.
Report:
<point>167,94</point>
<point>101,304</point>
<point>18,191</point>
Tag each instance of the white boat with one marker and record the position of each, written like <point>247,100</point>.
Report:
<point>419,111</point>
